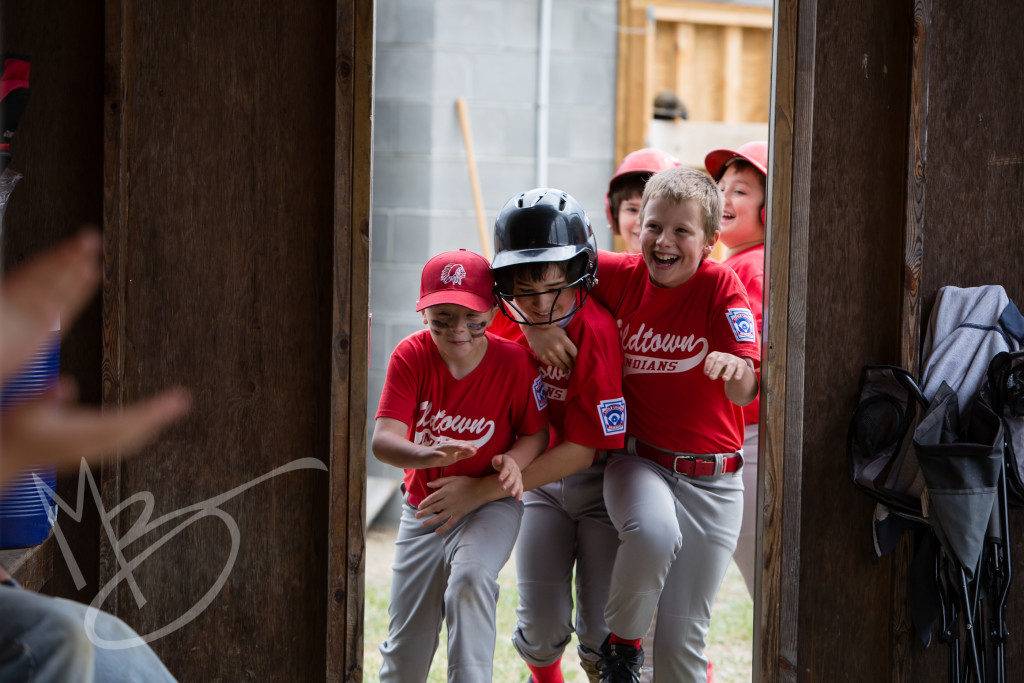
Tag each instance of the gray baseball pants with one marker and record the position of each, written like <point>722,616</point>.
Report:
<point>454,577</point>
<point>565,524</point>
<point>746,550</point>
<point>677,534</point>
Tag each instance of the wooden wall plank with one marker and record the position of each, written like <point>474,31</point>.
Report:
<point>777,595</point>
<point>709,76</point>
<point>350,339</point>
<point>220,269</point>
<point>686,44</point>
<point>339,585</point>
<point>115,198</point>
<point>664,74</point>
<point>362,209</point>
<point>974,176</point>
<point>630,121</point>
<point>902,636</point>
<point>732,71</point>
<point>756,74</point>
<point>854,293</point>
<point>648,81</point>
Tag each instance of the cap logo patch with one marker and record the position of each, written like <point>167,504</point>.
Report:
<point>453,274</point>
<point>742,323</point>
<point>613,416</point>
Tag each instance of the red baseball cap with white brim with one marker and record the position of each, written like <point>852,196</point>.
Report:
<point>457,277</point>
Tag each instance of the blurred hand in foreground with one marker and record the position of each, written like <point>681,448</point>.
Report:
<point>54,285</point>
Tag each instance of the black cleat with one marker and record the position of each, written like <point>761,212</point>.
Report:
<point>620,663</point>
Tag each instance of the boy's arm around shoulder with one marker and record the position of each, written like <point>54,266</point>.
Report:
<point>551,346</point>
<point>597,378</point>
<point>529,414</point>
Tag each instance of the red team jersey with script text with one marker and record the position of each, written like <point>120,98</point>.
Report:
<point>665,335</point>
<point>586,406</point>
<point>502,398</point>
<point>749,266</point>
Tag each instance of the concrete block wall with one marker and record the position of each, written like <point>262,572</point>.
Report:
<point>431,52</point>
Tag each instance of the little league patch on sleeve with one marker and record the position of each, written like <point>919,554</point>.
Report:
<point>742,323</point>
<point>540,394</point>
<point>613,416</point>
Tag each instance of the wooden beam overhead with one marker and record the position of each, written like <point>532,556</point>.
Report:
<point>712,14</point>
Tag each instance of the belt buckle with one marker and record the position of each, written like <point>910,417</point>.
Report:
<point>697,463</point>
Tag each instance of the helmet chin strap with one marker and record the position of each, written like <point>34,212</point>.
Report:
<point>582,291</point>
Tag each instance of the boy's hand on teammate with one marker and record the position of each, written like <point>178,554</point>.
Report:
<point>449,453</point>
<point>551,345</point>
<point>509,474</point>
<point>453,498</point>
<point>725,366</point>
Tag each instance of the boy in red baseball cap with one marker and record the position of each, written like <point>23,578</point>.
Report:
<point>457,401</point>
<point>622,202</point>
<point>742,176</point>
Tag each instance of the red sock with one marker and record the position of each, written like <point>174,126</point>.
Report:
<point>552,673</point>
<point>622,641</point>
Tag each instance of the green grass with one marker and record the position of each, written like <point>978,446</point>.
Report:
<point>729,641</point>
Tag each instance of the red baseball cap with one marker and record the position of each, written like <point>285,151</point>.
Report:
<point>756,153</point>
<point>457,277</point>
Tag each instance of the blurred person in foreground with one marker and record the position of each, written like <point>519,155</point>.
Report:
<point>43,638</point>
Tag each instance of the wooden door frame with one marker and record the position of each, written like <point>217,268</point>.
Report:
<point>350,338</point>
<point>776,606</point>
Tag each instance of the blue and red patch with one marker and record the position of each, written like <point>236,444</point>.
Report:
<point>742,323</point>
<point>540,394</point>
<point>613,416</point>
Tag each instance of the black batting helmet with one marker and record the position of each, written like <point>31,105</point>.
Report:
<point>544,225</point>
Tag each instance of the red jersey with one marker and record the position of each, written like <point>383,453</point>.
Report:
<point>665,335</point>
<point>586,406</point>
<point>503,327</point>
<point>749,266</point>
<point>502,398</point>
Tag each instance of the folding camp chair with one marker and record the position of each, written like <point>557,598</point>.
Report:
<point>946,461</point>
<point>962,466</point>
